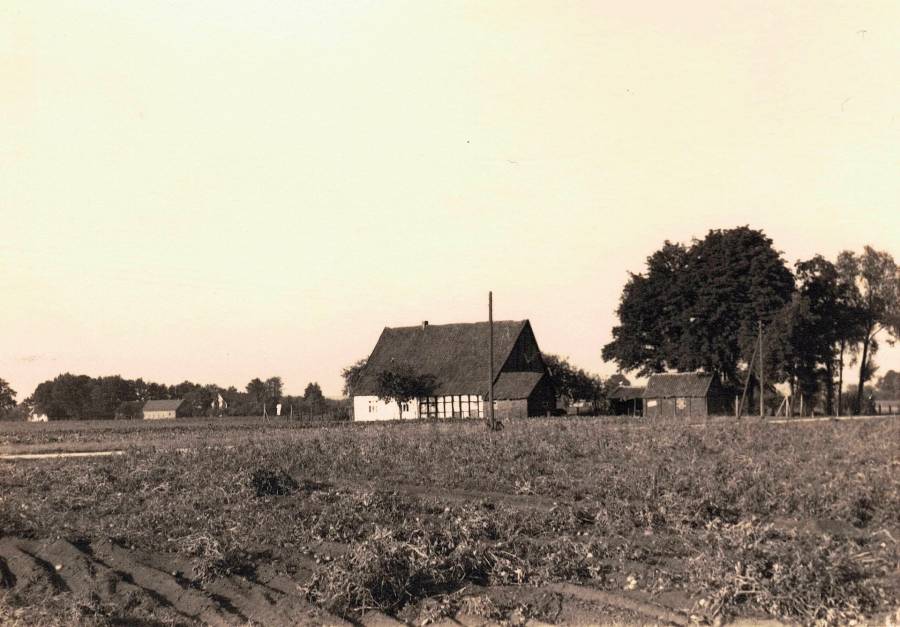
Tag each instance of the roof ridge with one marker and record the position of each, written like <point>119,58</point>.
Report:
<point>459,324</point>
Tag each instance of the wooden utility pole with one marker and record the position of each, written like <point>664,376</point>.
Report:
<point>740,411</point>
<point>762,380</point>
<point>492,423</point>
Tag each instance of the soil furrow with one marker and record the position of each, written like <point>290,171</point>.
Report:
<point>7,579</point>
<point>602,597</point>
<point>187,601</point>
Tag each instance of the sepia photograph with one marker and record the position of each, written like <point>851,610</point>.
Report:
<point>463,313</point>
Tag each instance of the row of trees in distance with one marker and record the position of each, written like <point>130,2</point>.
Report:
<point>81,397</point>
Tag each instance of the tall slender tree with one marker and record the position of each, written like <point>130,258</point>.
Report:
<point>834,321</point>
<point>877,299</point>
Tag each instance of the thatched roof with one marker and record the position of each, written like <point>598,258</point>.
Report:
<point>163,405</point>
<point>678,384</point>
<point>627,393</point>
<point>516,385</point>
<point>455,354</point>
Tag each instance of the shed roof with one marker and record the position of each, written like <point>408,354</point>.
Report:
<point>163,404</point>
<point>674,384</point>
<point>455,354</point>
<point>627,393</point>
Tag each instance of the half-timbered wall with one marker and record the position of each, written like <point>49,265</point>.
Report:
<point>367,408</point>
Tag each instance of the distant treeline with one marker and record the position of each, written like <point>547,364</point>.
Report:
<point>80,397</point>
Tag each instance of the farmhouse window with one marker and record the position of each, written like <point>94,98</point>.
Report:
<point>428,407</point>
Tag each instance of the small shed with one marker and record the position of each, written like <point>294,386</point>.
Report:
<point>684,395</point>
<point>627,400</point>
<point>164,409</point>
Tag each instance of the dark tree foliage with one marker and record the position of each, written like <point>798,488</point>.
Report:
<point>79,397</point>
<point>7,398</point>
<point>401,384</point>
<point>571,382</point>
<point>792,353</point>
<point>257,390</point>
<point>274,389</point>
<point>697,306</point>
<point>130,410</point>
<point>615,381</point>
<point>68,397</point>
<point>351,375</point>
<point>313,393</point>
<point>198,398</point>
<point>888,387</point>
<point>649,314</point>
<point>834,321</point>
<point>877,299</point>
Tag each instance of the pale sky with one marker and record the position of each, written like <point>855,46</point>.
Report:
<point>217,190</point>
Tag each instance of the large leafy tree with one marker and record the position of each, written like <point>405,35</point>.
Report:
<point>68,396</point>
<point>697,306</point>
<point>876,278</point>
<point>649,314</point>
<point>401,384</point>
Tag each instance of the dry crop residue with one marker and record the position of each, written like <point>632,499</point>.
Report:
<point>550,521</point>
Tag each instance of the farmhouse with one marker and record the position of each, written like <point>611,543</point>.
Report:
<point>163,409</point>
<point>627,400</point>
<point>457,356</point>
<point>684,395</point>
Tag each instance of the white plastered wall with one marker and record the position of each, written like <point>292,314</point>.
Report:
<point>371,408</point>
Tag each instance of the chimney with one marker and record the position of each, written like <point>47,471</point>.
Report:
<point>424,324</point>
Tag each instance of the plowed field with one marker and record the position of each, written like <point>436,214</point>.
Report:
<point>548,522</point>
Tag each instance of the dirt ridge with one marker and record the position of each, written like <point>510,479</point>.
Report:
<point>105,575</point>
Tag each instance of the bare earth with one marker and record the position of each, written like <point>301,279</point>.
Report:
<point>568,523</point>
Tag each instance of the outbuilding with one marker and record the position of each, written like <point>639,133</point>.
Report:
<point>456,355</point>
<point>627,400</point>
<point>684,395</point>
<point>164,409</point>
